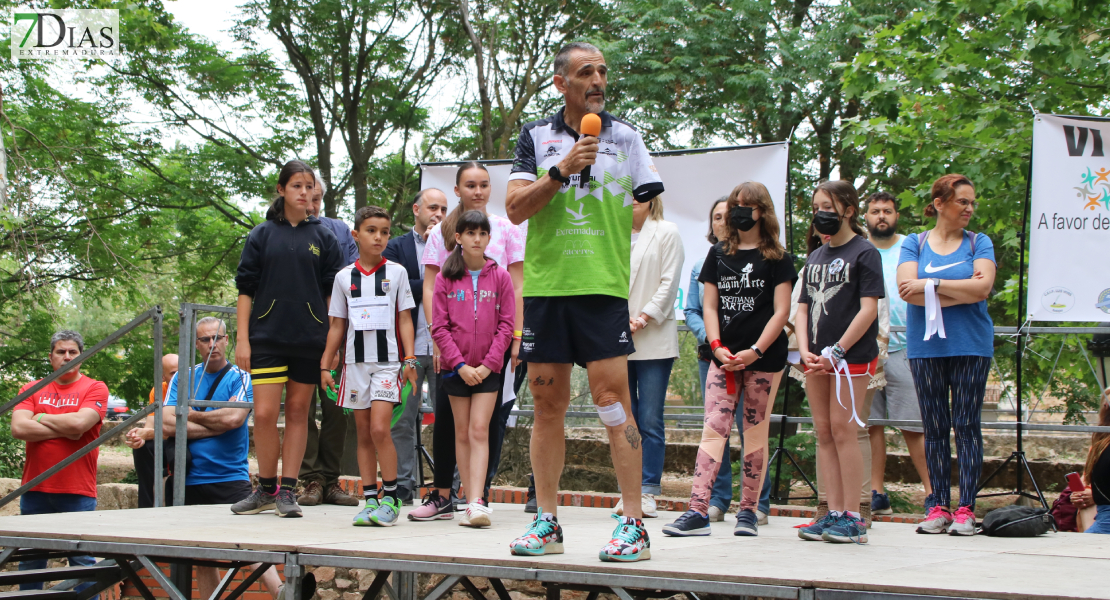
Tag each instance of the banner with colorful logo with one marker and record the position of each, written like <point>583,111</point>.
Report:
<point>1070,219</point>
<point>693,180</point>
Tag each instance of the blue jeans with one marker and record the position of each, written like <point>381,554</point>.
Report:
<point>647,382</point>
<point>721,495</point>
<point>42,503</point>
<point>1102,520</point>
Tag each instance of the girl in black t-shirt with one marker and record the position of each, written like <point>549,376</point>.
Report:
<point>748,278</point>
<point>837,327</point>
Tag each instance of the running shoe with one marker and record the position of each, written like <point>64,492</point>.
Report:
<point>257,502</point>
<point>386,513</point>
<point>963,522</point>
<point>434,508</point>
<point>747,523</point>
<point>362,519</point>
<point>477,515</point>
<point>815,530</point>
<point>690,523</point>
<point>880,504</point>
<point>286,504</point>
<point>762,517</point>
<point>648,507</point>
<point>544,536</point>
<point>630,542</point>
<point>937,521</point>
<point>716,514</point>
<point>846,530</point>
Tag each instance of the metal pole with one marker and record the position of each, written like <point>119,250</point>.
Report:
<point>184,392</point>
<point>1020,346</point>
<point>159,487</point>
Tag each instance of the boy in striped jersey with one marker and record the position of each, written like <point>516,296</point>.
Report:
<point>370,300</point>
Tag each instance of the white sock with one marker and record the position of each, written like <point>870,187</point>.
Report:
<point>548,517</point>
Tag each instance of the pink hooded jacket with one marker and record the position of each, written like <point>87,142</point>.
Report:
<point>474,337</point>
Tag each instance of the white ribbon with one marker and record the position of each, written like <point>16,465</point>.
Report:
<point>839,367</point>
<point>934,319</point>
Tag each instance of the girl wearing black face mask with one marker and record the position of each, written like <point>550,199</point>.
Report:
<point>836,327</point>
<point>748,277</point>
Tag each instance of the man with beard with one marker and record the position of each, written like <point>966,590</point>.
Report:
<point>576,192</point>
<point>898,400</point>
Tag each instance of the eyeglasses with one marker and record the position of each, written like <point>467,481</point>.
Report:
<point>212,339</point>
<point>964,204</point>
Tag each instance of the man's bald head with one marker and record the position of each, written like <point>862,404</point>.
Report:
<point>169,367</point>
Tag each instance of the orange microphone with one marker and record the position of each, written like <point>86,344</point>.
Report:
<point>591,125</point>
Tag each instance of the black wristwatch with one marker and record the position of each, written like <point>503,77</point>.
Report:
<point>557,175</point>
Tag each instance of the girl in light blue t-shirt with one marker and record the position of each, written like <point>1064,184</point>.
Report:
<point>946,275</point>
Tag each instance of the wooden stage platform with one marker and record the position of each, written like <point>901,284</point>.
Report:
<point>896,564</point>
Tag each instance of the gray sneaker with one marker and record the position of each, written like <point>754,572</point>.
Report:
<point>286,505</point>
<point>257,502</point>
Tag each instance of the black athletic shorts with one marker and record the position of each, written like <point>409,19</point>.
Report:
<point>575,329</point>
<point>224,492</point>
<point>455,386</point>
<point>275,368</point>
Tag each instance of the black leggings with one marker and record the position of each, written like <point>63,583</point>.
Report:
<point>443,437</point>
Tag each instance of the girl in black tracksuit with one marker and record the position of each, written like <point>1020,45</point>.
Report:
<point>285,278</point>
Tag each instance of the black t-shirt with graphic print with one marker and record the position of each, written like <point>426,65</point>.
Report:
<point>746,290</point>
<point>834,281</point>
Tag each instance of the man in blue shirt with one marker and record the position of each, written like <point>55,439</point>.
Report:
<point>898,400</point>
<point>216,472</point>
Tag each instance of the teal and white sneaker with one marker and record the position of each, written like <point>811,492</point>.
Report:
<point>630,542</point>
<point>544,536</point>
<point>386,513</point>
<point>362,519</point>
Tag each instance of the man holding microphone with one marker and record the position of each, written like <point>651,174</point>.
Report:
<point>574,182</point>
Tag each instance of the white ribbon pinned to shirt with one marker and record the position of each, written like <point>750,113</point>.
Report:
<point>934,319</point>
<point>841,366</point>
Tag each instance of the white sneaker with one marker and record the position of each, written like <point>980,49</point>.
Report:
<point>647,506</point>
<point>477,515</point>
<point>716,514</point>
<point>761,517</point>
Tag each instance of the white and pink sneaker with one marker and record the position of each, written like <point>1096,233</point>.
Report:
<point>937,521</point>
<point>964,522</point>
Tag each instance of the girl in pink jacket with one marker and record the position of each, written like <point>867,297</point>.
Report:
<point>472,322</point>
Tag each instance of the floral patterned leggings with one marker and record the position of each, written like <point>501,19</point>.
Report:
<point>720,410</point>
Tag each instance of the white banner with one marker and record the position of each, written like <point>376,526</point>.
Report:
<point>692,179</point>
<point>1070,219</point>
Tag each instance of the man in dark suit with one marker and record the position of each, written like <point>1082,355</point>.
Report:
<point>428,209</point>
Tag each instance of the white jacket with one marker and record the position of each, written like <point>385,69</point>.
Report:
<point>656,269</point>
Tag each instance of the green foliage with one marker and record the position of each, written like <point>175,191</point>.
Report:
<point>685,379</point>
<point>11,450</point>
<point>954,86</point>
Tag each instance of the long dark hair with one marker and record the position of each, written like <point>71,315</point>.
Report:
<point>755,195</point>
<point>1099,442</point>
<point>276,212</point>
<point>449,226</point>
<point>454,268</point>
<point>844,194</point>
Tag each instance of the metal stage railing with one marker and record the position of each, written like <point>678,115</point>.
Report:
<point>153,314</point>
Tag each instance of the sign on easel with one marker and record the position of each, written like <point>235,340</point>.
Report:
<point>1070,219</point>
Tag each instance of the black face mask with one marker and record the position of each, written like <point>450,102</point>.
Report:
<point>740,217</point>
<point>826,223</point>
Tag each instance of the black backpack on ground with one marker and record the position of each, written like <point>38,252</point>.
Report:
<point>1017,521</point>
